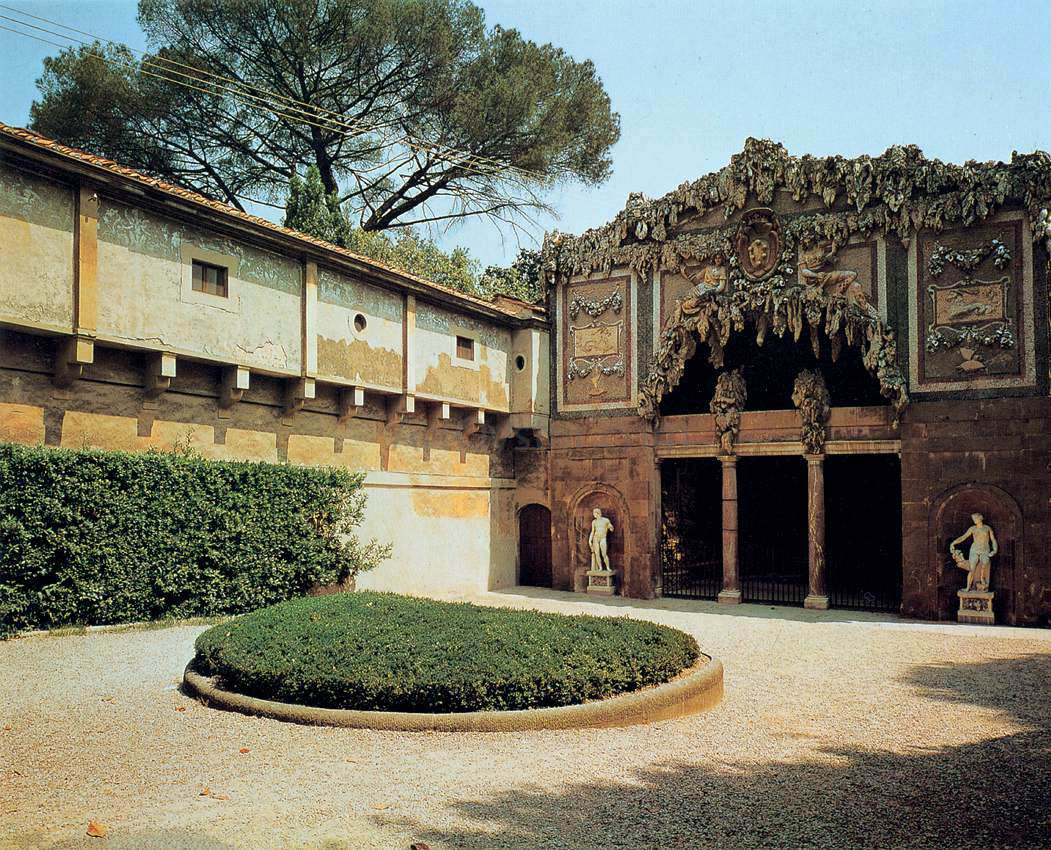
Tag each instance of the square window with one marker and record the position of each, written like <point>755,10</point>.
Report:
<point>209,279</point>
<point>465,348</point>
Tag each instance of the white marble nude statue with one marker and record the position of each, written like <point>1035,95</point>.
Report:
<point>601,527</point>
<point>983,548</point>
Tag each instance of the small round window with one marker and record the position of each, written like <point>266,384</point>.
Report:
<point>520,362</point>
<point>360,323</point>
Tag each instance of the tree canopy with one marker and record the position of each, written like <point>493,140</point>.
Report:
<point>309,210</point>
<point>412,111</point>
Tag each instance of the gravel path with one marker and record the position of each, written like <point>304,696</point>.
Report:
<point>836,730</point>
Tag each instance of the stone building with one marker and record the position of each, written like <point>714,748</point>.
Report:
<point>791,381</point>
<point>136,315</point>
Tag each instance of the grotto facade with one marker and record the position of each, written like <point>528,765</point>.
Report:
<point>794,380</point>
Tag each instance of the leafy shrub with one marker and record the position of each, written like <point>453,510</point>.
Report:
<point>96,537</point>
<point>382,651</point>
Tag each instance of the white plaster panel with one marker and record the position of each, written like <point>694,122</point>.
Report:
<point>36,251</point>
<point>439,552</point>
<point>144,297</point>
<point>440,374</point>
<point>340,300</point>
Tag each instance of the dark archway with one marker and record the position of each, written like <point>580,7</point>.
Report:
<point>770,371</point>
<point>534,546</point>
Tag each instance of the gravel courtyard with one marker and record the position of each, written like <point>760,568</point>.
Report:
<point>837,729</point>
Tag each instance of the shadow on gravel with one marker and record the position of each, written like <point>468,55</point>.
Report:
<point>991,793</point>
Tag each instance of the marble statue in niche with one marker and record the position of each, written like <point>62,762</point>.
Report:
<point>601,528</point>
<point>815,269</point>
<point>601,577</point>
<point>726,406</point>
<point>978,562</point>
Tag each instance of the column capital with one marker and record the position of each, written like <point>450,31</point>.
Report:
<point>727,460</point>
<point>814,459</point>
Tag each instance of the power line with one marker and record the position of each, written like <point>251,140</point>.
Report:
<point>307,112</point>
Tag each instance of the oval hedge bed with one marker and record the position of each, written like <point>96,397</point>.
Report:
<point>385,652</point>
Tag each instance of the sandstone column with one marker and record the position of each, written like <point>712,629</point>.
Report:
<point>817,593</point>
<point>731,592</point>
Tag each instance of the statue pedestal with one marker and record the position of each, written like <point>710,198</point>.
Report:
<point>602,582</point>
<point>976,606</point>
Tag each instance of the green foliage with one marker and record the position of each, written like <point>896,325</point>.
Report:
<point>94,537</point>
<point>310,210</point>
<point>520,280</point>
<point>353,80</point>
<point>420,256</point>
<point>380,651</point>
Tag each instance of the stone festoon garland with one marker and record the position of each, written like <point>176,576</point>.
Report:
<point>898,192</point>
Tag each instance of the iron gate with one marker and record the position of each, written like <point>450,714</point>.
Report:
<point>694,574</point>
<point>772,574</point>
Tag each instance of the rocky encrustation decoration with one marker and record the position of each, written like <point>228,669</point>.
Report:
<point>726,406</point>
<point>899,192</point>
<point>810,396</point>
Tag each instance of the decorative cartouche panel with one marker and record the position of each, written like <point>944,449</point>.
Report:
<point>970,318</point>
<point>596,367</point>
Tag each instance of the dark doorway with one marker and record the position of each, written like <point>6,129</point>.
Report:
<point>534,546</point>
<point>772,523</point>
<point>691,528</point>
<point>863,531</point>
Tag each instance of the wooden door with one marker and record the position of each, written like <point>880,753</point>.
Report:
<point>534,546</point>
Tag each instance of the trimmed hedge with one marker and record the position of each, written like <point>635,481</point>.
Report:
<point>96,537</point>
<point>382,651</point>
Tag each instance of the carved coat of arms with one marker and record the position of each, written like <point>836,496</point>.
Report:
<point>758,243</point>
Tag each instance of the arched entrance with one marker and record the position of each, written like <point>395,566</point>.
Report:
<point>534,546</point>
<point>773,515</point>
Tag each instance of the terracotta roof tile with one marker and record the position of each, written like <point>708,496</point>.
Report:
<point>36,140</point>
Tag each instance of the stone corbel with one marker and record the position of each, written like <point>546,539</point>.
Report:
<point>351,400</point>
<point>438,415</point>
<point>297,392</point>
<point>71,355</point>
<point>473,421</point>
<point>232,387</point>
<point>505,429</point>
<point>160,369</point>
<point>398,407</point>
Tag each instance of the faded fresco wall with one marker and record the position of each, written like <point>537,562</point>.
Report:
<point>441,375</point>
<point>443,498</point>
<point>36,251</point>
<point>145,294</point>
<point>359,333</point>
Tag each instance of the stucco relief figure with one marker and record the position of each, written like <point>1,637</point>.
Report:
<point>601,528</point>
<point>810,395</point>
<point>726,406</point>
<point>710,280</point>
<point>815,269</point>
<point>979,559</point>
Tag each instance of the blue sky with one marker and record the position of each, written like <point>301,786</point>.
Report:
<point>692,80</point>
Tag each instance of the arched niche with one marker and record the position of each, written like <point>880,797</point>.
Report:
<point>614,506</point>
<point>949,517</point>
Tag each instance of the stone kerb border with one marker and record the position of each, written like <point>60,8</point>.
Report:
<point>693,691</point>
